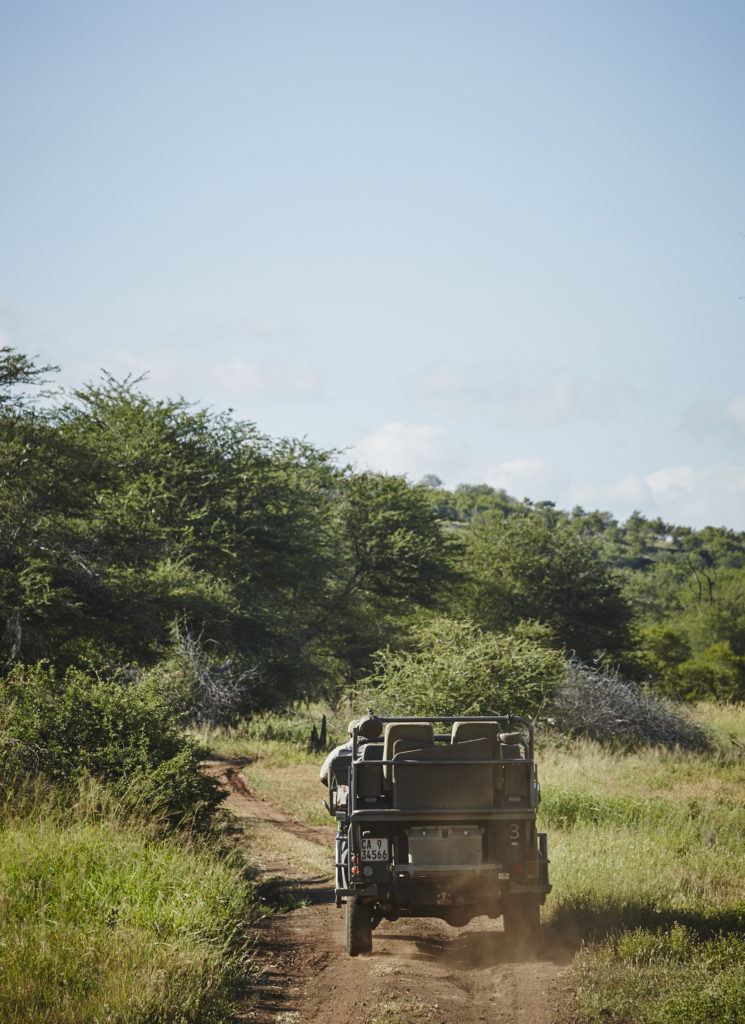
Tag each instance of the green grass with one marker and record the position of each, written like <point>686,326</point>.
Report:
<point>647,865</point>
<point>102,920</point>
<point>726,721</point>
<point>663,977</point>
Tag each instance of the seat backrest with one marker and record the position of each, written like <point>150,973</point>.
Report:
<point>422,732</point>
<point>436,783</point>
<point>372,752</point>
<point>476,731</point>
<point>339,767</point>
<point>369,775</point>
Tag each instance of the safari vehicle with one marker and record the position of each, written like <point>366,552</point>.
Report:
<point>435,824</point>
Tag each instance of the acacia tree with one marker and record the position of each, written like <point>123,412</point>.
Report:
<point>122,514</point>
<point>392,558</point>
<point>534,565</point>
<point>33,484</point>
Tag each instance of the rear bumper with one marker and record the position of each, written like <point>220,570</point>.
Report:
<point>447,884</point>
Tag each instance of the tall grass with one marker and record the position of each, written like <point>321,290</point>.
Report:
<point>104,920</point>
<point>648,860</point>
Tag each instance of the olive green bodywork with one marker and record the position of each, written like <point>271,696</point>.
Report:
<point>438,824</point>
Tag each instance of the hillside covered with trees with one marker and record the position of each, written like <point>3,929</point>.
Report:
<point>134,532</point>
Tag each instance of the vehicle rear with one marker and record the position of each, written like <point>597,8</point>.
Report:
<point>437,818</point>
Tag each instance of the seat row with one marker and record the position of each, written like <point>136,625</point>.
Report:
<point>427,775</point>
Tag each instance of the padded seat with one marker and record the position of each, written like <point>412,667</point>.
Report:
<point>422,732</point>
<point>476,731</point>
<point>436,784</point>
<point>487,730</point>
<point>369,775</point>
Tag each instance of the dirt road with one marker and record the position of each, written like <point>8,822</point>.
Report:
<point>420,970</point>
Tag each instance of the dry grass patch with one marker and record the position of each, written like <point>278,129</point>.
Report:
<point>274,850</point>
<point>294,789</point>
<point>402,1010</point>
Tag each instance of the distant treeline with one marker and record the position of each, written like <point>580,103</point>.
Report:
<point>133,531</point>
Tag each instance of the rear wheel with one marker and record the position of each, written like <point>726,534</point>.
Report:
<point>359,927</point>
<point>522,917</point>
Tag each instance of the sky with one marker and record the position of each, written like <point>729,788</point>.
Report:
<point>495,242</point>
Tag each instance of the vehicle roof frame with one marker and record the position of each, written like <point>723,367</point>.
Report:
<point>507,720</point>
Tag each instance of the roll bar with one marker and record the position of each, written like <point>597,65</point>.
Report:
<point>506,721</point>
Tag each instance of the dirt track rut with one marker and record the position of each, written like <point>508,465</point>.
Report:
<point>420,970</point>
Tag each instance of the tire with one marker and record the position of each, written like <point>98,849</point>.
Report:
<point>359,927</point>
<point>522,918</point>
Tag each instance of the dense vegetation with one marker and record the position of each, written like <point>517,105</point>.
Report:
<point>135,531</point>
<point>105,919</point>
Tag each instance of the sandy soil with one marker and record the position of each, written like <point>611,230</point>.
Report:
<point>419,971</point>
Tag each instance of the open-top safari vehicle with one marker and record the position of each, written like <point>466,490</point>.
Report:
<point>438,824</point>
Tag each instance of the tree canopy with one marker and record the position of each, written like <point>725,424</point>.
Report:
<point>128,522</point>
<point>533,565</point>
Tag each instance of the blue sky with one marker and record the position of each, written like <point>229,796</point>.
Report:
<point>498,242</point>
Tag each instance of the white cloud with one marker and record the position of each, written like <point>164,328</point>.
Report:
<point>621,496</point>
<point>165,370</point>
<point>526,478</point>
<point>734,412</point>
<point>710,496</point>
<point>412,450</point>
<point>169,371</point>
<point>231,332</point>
<point>513,393</point>
<point>240,378</point>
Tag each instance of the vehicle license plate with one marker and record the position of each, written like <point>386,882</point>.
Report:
<point>374,849</point>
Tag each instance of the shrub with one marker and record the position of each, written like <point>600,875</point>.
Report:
<point>456,669</point>
<point>122,733</point>
<point>596,702</point>
<point>202,688</point>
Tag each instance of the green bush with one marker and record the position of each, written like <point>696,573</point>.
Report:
<point>456,669</point>
<point>123,733</point>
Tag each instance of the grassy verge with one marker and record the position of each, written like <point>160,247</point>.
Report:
<point>647,866</point>
<point>101,920</point>
<point>667,976</point>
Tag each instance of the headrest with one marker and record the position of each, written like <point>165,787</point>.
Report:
<point>370,727</point>
<point>476,731</point>
<point>422,732</point>
<point>372,752</point>
<point>472,750</point>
